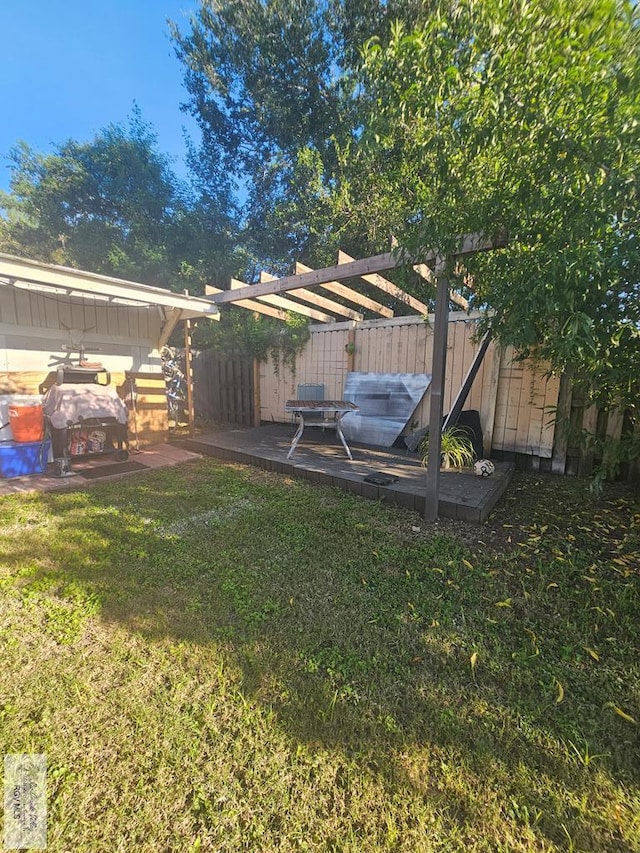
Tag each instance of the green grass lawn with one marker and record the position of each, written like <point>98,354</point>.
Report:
<point>220,659</point>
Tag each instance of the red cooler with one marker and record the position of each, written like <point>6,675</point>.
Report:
<point>27,421</point>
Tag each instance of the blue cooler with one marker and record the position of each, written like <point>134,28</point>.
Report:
<point>21,458</point>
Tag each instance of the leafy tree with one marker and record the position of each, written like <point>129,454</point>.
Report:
<point>114,206</point>
<point>520,116</point>
<point>262,90</point>
<point>241,334</point>
<point>103,205</point>
<point>273,85</point>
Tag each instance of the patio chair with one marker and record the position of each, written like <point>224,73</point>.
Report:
<point>310,391</point>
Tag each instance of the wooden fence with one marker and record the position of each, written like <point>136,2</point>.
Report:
<point>517,400</point>
<point>603,429</point>
<point>223,389</point>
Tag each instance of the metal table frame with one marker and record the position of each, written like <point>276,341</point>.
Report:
<point>323,413</point>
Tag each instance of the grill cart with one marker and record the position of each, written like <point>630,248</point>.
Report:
<point>86,416</point>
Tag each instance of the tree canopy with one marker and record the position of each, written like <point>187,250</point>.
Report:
<point>274,86</point>
<point>519,117</point>
<point>113,205</point>
<point>351,120</point>
<point>346,121</point>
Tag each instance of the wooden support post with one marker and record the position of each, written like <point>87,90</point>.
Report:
<point>463,393</point>
<point>188,374</point>
<point>256,392</point>
<point>438,368</point>
<point>561,425</point>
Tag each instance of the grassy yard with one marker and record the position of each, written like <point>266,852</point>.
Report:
<point>216,658</point>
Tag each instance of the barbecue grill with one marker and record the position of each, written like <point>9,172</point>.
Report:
<point>86,416</point>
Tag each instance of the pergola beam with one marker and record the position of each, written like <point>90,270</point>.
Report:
<point>291,282</point>
<point>388,287</point>
<point>350,295</point>
<point>366,266</point>
<point>250,304</point>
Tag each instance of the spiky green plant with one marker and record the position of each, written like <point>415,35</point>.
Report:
<point>456,449</point>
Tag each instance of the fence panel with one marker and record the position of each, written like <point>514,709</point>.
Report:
<point>222,389</point>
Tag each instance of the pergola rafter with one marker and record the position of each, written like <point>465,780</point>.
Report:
<point>388,287</point>
<point>316,300</point>
<point>319,301</point>
<point>285,304</point>
<point>350,295</point>
<point>250,304</point>
<point>428,274</point>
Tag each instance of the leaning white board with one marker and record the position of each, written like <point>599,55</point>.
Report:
<point>386,401</point>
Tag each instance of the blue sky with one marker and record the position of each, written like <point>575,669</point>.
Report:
<point>71,67</point>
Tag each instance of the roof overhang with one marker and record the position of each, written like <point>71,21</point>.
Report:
<point>37,276</point>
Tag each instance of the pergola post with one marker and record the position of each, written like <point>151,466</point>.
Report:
<point>439,363</point>
<point>188,373</point>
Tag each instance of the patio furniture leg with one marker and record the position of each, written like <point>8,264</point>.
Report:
<point>342,439</point>
<point>297,436</point>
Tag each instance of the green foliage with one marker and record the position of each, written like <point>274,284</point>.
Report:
<point>613,454</point>
<point>104,205</point>
<point>274,88</point>
<point>114,206</point>
<point>456,449</point>
<point>520,118</point>
<point>241,333</point>
<point>262,91</point>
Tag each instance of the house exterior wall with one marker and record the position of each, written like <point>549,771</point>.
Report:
<point>34,327</point>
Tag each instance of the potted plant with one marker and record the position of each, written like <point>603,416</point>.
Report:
<point>456,449</point>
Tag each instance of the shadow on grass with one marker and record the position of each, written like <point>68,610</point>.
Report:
<point>435,667</point>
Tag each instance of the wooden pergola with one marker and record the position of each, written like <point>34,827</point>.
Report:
<point>267,297</point>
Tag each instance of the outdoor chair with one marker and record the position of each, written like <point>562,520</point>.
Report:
<point>310,391</point>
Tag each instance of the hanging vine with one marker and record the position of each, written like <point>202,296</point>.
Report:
<point>241,333</point>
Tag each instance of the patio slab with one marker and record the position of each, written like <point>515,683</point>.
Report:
<point>320,458</point>
<point>157,456</point>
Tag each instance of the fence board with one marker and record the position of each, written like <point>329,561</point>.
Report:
<point>589,425</point>
<point>561,434</point>
<point>490,395</point>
